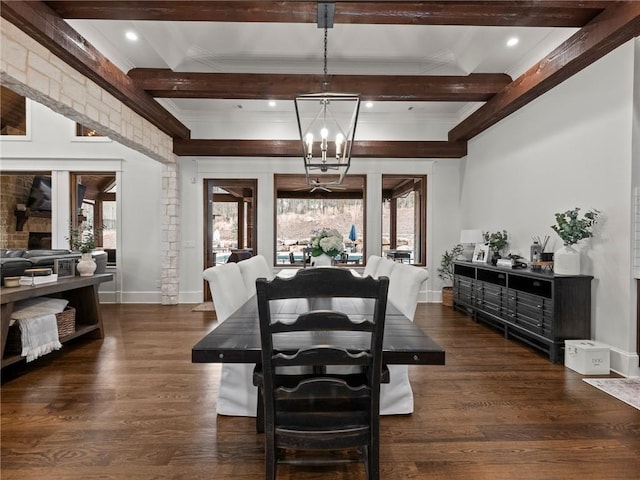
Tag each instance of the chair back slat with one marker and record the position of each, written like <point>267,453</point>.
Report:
<point>318,320</point>
<point>326,355</point>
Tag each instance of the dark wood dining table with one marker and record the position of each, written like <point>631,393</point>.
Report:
<point>237,339</point>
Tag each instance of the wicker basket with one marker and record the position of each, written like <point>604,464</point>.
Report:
<point>66,321</point>
<point>447,296</point>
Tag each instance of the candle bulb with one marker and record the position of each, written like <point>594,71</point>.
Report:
<point>309,141</point>
<point>339,140</point>
<point>324,133</point>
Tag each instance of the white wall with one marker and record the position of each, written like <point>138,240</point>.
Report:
<point>442,203</point>
<point>51,146</point>
<point>572,147</point>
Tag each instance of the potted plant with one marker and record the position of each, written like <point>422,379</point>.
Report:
<point>497,242</point>
<point>571,228</point>
<point>83,240</point>
<point>445,272</point>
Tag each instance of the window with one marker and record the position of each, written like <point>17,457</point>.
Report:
<point>404,218</point>
<point>302,210</point>
<point>13,113</point>
<point>93,202</point>
<point>82,131</point>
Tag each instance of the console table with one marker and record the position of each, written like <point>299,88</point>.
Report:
<point>538,308</point>
<point>82,293</point>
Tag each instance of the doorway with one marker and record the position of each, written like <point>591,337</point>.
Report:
<point>230,221</point>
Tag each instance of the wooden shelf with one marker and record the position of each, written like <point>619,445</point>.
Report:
<point>80,331</point>
<point>82,293</point>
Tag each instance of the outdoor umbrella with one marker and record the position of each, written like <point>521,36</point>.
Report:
<point>352,233</point>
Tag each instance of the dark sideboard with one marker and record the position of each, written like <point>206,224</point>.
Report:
<point>538,308</point>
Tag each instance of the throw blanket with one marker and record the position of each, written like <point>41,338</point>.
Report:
<point>39,336</point>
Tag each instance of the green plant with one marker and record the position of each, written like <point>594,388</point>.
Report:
<point>497,241</point>
<point>571,228</point>
<point>83,239</point>
<point>445,270</point>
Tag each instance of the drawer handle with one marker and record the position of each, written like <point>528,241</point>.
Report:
<point>502,276</point>
<point>539,306</point>
<point>536,284</point>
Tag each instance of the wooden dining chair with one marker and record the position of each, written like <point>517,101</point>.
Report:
<point>320,411</point>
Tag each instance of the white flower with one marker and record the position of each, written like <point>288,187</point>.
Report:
<point>327,241</point>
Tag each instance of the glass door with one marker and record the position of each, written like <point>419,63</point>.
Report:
<point>230,222</point>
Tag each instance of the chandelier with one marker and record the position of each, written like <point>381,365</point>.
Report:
<point>327,123</point>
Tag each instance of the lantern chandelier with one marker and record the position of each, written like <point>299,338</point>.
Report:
<point>327,123</point>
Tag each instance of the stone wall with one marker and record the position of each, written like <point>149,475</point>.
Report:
<point>28,68</point>
<point>14,189</point>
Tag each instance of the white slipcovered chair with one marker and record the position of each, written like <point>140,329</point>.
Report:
<point>384,269</point>
<point>236,393</point>
<point>252,269</point>
<point>396,397</point>
<point>371,266</point>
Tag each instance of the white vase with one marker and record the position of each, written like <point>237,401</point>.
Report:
<point>566,261</point>
<point>86,265</point>
<point>323,260</point>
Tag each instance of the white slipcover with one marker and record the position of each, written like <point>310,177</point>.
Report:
<point>396,397</point>
<point>236,393</point>
<point>371,266</point>
<point>384,269</point>
<point>252,269</point>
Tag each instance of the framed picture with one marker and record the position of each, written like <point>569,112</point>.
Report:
<point>481,253</point>
<point>64,267</point>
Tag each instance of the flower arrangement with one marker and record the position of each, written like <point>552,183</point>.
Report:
<point>83,239</point>
<point>328,242</point>
<point>572,229</point>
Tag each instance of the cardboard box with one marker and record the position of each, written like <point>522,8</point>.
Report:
<point>587,357</point>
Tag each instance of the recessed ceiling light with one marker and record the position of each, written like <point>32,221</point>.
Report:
<point>368,104</point>
<point>272,103</point>
<point>512,42</point>
<point>132,36</point>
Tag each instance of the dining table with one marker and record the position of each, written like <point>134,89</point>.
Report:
<point>237,339</point>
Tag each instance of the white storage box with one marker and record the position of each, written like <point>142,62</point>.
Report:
<point>586,357</point>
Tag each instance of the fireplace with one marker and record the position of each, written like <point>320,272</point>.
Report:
<point>39,241</point>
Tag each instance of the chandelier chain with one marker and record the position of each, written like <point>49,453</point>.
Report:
<point>326,17</point>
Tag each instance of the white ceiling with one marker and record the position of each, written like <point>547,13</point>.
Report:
<point>298,48</point>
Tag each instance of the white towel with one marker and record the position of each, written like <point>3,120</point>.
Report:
<point>39,336</point>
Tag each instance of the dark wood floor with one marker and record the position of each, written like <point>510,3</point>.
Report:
<point>133,406</point>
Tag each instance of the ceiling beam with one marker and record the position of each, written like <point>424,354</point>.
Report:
<point>45,26</point>
<point>612,28</point>
<point>478,87</point>
<point>293,148</point>
<point>534,13</point>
